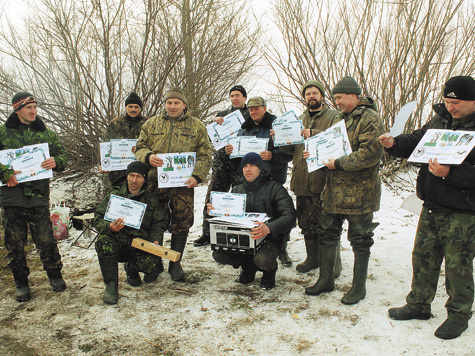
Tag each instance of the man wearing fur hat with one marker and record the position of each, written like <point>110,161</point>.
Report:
<point>125,126</point>
<point>446,228</point>
<point>175,130</point>
<point>308,186</point>
<point>27,204</point>
<point>114,240</point>
<point>352,191</point>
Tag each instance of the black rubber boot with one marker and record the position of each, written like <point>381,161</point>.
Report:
<point>56,280</point>
<point>174,268</point>
<point>313,256</point>
<point>203,240</point>
<point>360,273</point>
<point>110,274</point>
<point>133,277</point>
<point>268,280</point>
<point>22,291</point>
<point>338,265</point>
<point>407,313</point>
<point>451,329</point>
<point>248,271</point>
<point>326,280</point>
<point>284,256</point>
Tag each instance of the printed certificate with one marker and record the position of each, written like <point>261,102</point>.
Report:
<point>288,116</point>
<point>219,134</point>
<point>130,210</point>
<point>228,204</point>
<point>330,144</point>
<point>288,132</point>
<point>242,145</point>
<point>113,164</point>
<point>448,146</point>
<point>176,170</point>
<point>28,160</point>
<point>122,149</point>
<point>214,138</point>
<point>401,118</point>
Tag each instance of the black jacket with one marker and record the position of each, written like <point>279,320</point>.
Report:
<point>457,190</point>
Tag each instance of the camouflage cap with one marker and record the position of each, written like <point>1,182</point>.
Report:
<point>256,101</point>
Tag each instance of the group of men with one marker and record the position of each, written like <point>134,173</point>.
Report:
<point>348,189</point>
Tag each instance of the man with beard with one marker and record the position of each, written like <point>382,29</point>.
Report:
<point>224,171</point>
<point>308,186</point>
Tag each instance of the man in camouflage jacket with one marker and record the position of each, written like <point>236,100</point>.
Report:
<point>446,228</point>
<point>175,131</point>
<point>27,204</point>
<point>352,191</point>
<point>125,126</point>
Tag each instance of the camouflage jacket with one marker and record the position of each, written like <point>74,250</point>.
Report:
<point>457,190</point>
<point>354,186</point>
<point>153,222</point>
<point>14,134</point>
<point>303,183</point>
<point>124,126</point>
<point>160,134</point>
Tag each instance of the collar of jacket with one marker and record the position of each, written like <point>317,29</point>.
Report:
<point>186,114</point>
<point>253,186</point>
<point>265,123</point>
<point>13,122</point>
<point>318,112</point>
<point>124,191</point>
<point>137,118</point>
<point>441,111</point>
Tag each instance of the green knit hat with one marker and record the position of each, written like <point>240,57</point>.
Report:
<point>175,93</point>
<point>313,83</point>
<point>347,85</point>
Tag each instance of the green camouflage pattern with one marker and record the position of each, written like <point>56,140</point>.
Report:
<point>309,209</point>
<point>178,204</point>
<point>160,134</point>
<point>153,225</point>
<point>354,186</point>
<point>15,222</point>
<point>444,234</point>
<point>18,135</point>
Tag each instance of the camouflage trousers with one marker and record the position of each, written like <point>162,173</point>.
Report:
<point>108,245</point>
<point>223,178</point>
<point>309,209</point>
<point>16,221</point>
<point>440,235</point>
<point>265,259</point>
<point>360,230</point>
<point>178,204</point>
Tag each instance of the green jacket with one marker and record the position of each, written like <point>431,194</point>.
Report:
<point>124,126</point>
<point>14,134</point>
<point>153,222</point>
<point>160,134</point>
<point>354,186</point>
<point>303,183</point>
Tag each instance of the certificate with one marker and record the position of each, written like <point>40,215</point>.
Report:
<point>228,204</point>
<point>112,164</point>
<point>288,133</point>
<point>448,146</point>
<point>176,170</point>
<point>214,138</point>
<point>288,116</point>
<point>330,144</point>
<point>242,145</point>
<point>28,160</point>
<point>219,134</point>
<point>122,149</point>
<point>130,210</point>
<point>401,118</point>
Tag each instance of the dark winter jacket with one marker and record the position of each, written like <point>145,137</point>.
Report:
<point>124,127</point>
<point>268,196</point>
<point>153,222</point>
<point>15,134</point>
<point>354,187</point>
<point>278,164</point>
<point>456,191</point>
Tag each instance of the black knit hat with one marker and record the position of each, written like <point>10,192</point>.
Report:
<point>133,98</point>
<point>239,88</point>
<point>22,99</point>
<point>253,158</point>
<point>347,85</point>
<point>138,167</point>
<point>461,87</point>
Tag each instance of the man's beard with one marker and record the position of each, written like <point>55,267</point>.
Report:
<point>315,106</point>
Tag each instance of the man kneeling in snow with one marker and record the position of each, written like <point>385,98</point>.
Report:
<point>263,196</point>
<point>114,241</point>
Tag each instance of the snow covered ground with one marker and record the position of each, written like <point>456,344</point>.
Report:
<point>210,314</point>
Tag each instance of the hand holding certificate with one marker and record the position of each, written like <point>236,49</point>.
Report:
<point>176,170</point>
<point>117,154</point>
<point>126,211</point>
<point>219,134</point>
<point>287,132</point>
<point>242,145</point>
<point>227,204</point>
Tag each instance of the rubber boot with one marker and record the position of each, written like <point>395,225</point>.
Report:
<point>360,273</point>
<point>338,265</point>
<point>268,280</point>
<point>248,272</point>
<point>152,277</point>
<point>326,280</point>
<point>56,280</point>
<point>203,240</point>
<point>133,277</point>
<point>283,254</point>
<point>22,291</point>
<point>110,274</point>
<point>174,268</point>
<point>313,256</point>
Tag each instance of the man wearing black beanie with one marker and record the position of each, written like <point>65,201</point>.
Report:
<point>125,126</point>
<point>446,229</point>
